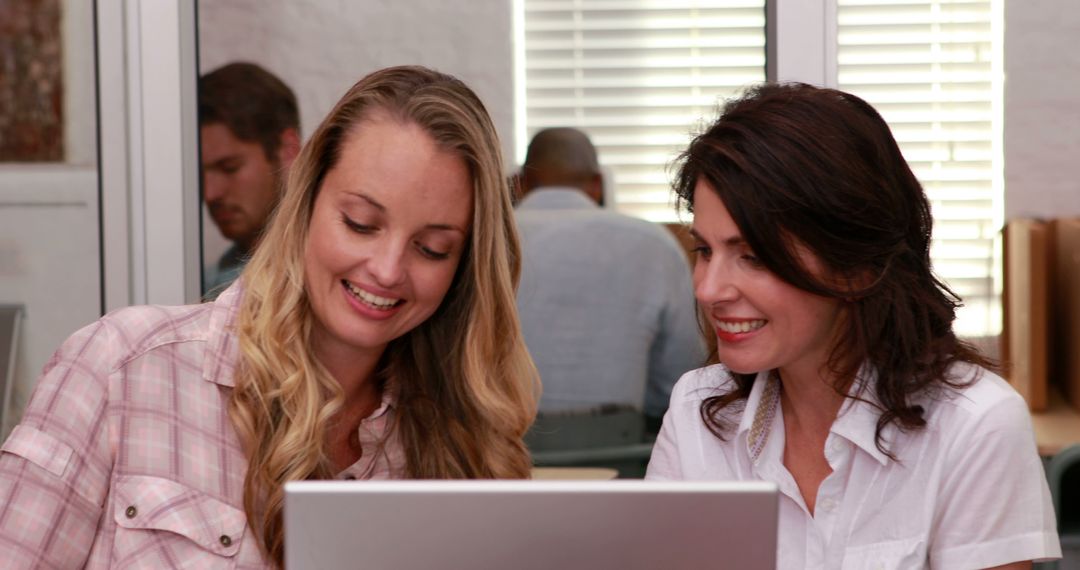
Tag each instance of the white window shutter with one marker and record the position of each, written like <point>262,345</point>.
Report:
<point>638,76</point>
<point>927,66</point>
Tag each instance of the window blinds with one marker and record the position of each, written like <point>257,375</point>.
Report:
<point>638,76</point>
<point>928,67</point>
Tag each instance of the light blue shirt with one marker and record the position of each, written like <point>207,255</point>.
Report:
<point>606,304</point>
<point>218,277</point>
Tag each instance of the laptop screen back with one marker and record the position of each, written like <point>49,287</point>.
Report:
<point>530,525</point>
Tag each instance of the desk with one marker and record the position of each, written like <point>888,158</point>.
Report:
<point>573,473</point>
<point>1058,427</point>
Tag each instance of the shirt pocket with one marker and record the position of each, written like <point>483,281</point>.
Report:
<point>891,555</point>
<point>163,523</point>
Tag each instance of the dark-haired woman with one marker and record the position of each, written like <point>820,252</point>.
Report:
<point>840,377</point>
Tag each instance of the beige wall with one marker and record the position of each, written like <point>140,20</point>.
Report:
<point>1042,108</point>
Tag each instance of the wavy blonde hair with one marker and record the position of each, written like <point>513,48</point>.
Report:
<point>466,387</point>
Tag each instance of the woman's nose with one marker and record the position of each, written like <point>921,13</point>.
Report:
<point>714,283</point>
<point>387,264</point>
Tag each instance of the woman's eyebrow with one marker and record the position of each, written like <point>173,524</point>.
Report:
<point>375,203</point>
<point>381,208</point>
<point>732,241</point>
<point>444,227</point>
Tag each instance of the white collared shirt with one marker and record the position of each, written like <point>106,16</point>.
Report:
<point>967,491</point>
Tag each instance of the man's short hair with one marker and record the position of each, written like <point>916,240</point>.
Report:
<point>562,152</point>
<point>253,103</point>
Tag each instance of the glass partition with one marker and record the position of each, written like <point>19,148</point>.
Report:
<point>50,246</point>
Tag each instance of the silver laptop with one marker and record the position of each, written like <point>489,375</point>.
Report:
<point>530,525</point>
<point>9,337</point>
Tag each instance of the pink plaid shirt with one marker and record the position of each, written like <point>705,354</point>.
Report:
<point>126,456</point>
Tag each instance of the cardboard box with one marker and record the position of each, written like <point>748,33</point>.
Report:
<point>1026,294</point>
<point>1065,308</point>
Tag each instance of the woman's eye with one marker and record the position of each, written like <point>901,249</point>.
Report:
<point>357,226</point>
<point>752,259</point>
<point>431,253</point>
<point>702,251</point>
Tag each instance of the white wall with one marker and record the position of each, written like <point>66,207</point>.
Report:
<point>49,249</point>
<point>321,48</point>
<point>49,262</point>
<point>1042,108</point>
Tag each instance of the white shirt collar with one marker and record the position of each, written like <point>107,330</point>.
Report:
<point>219,363</point>
<point>858,418</point>
<point>761,408</point>
<point>856,422</point>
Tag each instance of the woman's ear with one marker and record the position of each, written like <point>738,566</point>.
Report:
<point>857,282</point>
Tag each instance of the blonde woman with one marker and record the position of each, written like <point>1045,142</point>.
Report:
<point>373,335</point>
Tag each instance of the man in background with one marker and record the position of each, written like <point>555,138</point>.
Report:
<point>606,300</point>
<point>249,127</point>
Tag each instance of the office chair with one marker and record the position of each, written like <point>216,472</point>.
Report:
<point>10,316</point>
<point>1063,475</point>
<point>610,436</point>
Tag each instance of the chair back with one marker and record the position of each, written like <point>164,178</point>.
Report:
<point>10,316</point>
<point>609,436</point>
<point>1063,476</point>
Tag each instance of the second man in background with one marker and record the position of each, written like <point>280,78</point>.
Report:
<point>606,300</point>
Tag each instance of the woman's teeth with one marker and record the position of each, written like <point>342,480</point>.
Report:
<point>740,326</point>
<point>374,301</point>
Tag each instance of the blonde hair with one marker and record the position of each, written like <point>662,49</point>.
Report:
<point>466,387</point>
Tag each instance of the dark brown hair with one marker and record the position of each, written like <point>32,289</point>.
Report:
<point>800,165</point>
<point>253,103</point>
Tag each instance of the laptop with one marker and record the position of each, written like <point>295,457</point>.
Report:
<point>530,525</point>
<point>9,337</point>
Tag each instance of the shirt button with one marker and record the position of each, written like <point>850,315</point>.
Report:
<point>131,512</point>
<point>828,504</point>
<point>225,540</point>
